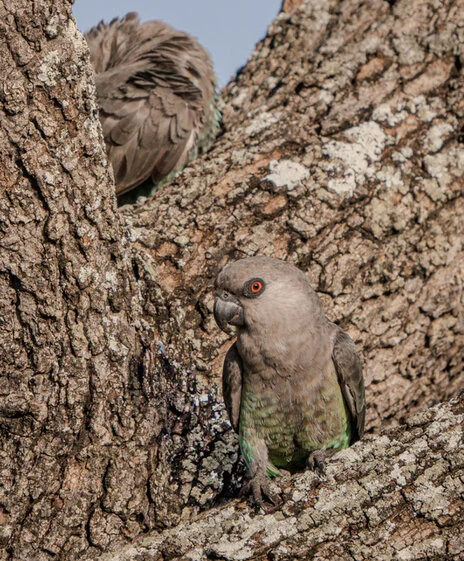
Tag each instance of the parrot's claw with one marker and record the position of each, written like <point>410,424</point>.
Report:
<point>259,487</point>
<point>317,460</point>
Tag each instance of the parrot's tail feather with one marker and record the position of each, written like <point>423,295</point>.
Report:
<point>272,471</point>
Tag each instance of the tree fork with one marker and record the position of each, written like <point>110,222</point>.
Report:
<point>341,153</point>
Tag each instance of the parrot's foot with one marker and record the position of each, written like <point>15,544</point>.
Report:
<point>259,486</point>
<point>317,460</point>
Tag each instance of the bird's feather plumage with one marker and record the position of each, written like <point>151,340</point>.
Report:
<point>232,385</point>
<point>349,371</point>
<point>156,93</point>
<point>292,381</point>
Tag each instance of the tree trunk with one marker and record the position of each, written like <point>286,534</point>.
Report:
<point>343,153</point>
<point>70,409</point>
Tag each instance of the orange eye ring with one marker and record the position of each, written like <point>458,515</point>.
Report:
<point>256,287</point>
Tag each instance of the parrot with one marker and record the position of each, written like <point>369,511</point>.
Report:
<point>156,93</point>
<point>292,381</point>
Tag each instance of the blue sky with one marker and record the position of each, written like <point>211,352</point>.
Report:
<point>229,30</point>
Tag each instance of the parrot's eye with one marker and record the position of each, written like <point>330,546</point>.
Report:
<point>256,287</point>
<point>253,288</point>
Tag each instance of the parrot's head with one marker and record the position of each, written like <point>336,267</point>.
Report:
<point>260,292</point>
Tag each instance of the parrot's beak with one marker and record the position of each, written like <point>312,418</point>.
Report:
<point>228,311</point>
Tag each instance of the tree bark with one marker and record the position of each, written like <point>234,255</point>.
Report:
<point>398,495</point>
<point>70,409</point>
<point>343,153</point>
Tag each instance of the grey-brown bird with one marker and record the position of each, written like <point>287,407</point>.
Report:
<point>157,99</point>
<point>292,382</point>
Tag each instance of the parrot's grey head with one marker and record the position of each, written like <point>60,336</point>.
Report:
<point>259,291</point>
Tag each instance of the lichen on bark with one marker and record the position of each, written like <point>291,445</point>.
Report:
<point>342,152</point>
<point>393,496</point>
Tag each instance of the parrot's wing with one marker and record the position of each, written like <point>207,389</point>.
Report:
<point>147,128</point>
<point>232,384</point>
<point>350,376</point>
<point>151,104</point>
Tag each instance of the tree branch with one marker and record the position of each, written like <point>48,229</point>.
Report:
<point>398,495</point>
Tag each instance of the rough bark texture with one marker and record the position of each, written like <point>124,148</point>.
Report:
<point>69,407</point>
<point>399,495</point>
<point>343,152</point>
